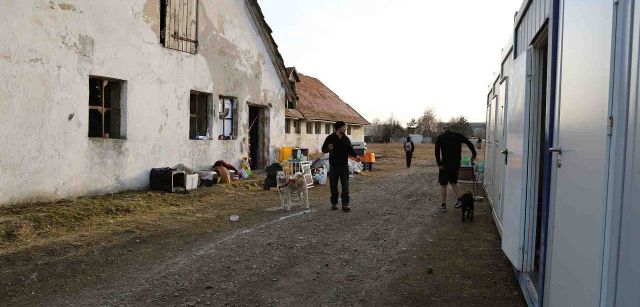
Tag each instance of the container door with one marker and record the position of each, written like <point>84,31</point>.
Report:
<point>628,283</point>
<point>499,145</point>
<point>515,167</point>
<point>489,152</point>
<point>577,204</point>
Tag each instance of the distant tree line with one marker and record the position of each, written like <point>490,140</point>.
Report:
<point>427,125</point>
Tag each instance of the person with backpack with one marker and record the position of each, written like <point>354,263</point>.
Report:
<point>409,147</point>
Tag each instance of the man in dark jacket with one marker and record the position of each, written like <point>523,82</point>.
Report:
<point>409,147</point>
<point>449,144</point>
<point>339,147</point>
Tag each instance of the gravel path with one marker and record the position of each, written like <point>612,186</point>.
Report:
<point>375,255</point>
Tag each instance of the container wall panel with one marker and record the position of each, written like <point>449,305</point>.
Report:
<point>533,17</point>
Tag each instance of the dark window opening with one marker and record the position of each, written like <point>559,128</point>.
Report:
<point>297,126</point>
<point>349,130</point>
<point>105,107</point>
<point>287,125</point>
<point>309,128</point>
<point>199,116</point>
<point>327,128</point>
<point>318,128</point>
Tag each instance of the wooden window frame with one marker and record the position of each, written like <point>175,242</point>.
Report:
<point>232,117</point>
<point>309,127</point>
<point>297,126</point>
<point>318,127</point>
<point>198,116</point>
<point>184,36</point>
<point>103,109</point>
<point>348,129</point>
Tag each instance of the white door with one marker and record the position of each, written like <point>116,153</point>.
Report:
<point>515,169</point>
<point>499,145</point>
<point>577,208</point>
<point>628,283</point>
<point>488,151</point>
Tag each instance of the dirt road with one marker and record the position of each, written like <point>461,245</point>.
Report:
<point>379,254</point>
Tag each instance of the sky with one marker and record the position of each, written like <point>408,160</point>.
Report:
<point>397,57</point>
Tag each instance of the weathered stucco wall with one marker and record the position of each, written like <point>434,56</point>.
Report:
<point>49,49</point>
<point>314,142</point>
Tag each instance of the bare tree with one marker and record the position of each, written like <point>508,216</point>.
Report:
<point>428,123</point>
<point>461,125</point>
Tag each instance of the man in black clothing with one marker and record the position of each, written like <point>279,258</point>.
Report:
<point>339,147</point>
<point>450,145</point>
<point>408,149</point>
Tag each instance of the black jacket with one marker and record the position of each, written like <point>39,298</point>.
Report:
<point>342,149</point>
<point>450,144</point>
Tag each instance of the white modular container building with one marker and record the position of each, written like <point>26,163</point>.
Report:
<point>563,152</point>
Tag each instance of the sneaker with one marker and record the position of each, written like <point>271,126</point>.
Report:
<point>458,204</point>
<point>334,207</point>
<point>443,208</point>
<point>346,208</point>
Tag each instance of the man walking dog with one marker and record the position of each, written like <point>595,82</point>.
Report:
<point>449,144</point>
<point>339,147</point>
<point>409,147</point>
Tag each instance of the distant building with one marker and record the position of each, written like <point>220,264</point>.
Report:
<point>317,109</point>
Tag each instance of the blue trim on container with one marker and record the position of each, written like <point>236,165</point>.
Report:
<point>550,122</point>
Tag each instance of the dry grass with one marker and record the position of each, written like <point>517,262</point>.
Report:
<point>87,219</point>
<point>27,225</point>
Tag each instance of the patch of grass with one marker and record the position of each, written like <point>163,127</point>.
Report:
<point>22,225</point>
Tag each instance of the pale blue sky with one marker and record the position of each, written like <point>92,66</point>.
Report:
<point>397,57</point>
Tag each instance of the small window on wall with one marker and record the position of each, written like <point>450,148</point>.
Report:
<point>309,128</point>
<point>105,108</point>
<point>349,130</point>
<point>287,125</point>
<point>318,127</point>
<point>228,117</point>
<point>327,128</point>
<point>296,124</point>
<point>199,121</point>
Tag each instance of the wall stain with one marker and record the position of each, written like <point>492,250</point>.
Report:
<point>70,117</point>
<point>67,7</point>
<point>151,15</point>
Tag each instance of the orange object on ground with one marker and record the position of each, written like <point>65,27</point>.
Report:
<point>369,157</point>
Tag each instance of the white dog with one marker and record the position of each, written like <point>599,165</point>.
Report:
<point>293,184</point>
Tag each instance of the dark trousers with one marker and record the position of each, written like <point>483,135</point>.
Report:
<point>409,157</point>
<point>342,174</point>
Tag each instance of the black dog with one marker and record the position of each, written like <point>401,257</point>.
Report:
<point>467,205</point>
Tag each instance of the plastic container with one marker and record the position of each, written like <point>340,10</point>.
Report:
<point>369,157</point>
<point>192,182</point>
<point>285,153</point>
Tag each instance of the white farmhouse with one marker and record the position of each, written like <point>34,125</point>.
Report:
<point>93,94</point>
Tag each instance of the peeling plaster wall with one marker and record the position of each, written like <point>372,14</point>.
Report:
<point>50,48</point>
<point>314,142</point>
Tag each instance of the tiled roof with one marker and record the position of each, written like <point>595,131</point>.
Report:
<point>318,102</point>
<point>293,113</point>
